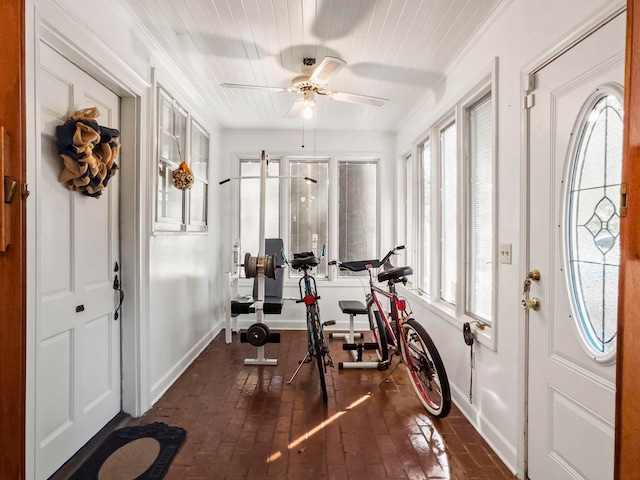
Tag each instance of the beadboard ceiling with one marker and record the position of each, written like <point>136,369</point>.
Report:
<point>395,49</point>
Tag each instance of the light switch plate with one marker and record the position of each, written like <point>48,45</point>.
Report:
<point>505,253</point>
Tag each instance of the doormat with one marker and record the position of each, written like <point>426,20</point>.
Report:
<point>141,452</point>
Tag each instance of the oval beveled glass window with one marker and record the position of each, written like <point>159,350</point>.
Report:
<point>593,223</point>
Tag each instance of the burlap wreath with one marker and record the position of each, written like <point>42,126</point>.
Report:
<point>88,151</point>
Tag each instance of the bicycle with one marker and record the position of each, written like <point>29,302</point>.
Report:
<point>400,333</point>
<point>317,347</point>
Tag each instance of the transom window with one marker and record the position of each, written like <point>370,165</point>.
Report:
<point>592,249</point>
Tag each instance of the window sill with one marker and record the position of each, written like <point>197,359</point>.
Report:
<point>446,312</point>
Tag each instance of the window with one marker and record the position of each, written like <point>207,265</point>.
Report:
<point>408,212</point>
<point>425,216</point>
<point>456,217</point>
<point>480,245</point>
<point>309,208</point>
<point>357,210</point>
<point>592,249</point>
<point>339,209</point>
<point>180,139</point>
<point>250,205</point>
<point>449,214</point>
<point>172,135</point>
<point>200,168</point>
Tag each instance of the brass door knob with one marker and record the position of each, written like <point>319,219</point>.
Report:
<point>531,303</point>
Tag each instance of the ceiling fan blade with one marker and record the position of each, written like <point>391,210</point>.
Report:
<point>296,109</point>
<point>256,87</point>
<point>327,68</point>
<point>355,98</point>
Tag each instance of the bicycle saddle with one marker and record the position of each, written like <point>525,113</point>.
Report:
<point>304,259</point>
<point>394,273</point>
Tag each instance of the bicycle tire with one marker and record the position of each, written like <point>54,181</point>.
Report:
<point>425,368</point>
<point>378,329</point>
<point>318,347</point>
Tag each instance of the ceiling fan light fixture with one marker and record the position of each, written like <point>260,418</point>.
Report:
<point>308,111</point>
<point>309,104</point>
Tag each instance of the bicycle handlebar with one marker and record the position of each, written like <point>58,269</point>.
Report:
<point>361,265</point>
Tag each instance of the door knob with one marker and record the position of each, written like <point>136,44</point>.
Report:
<point>532,303</point>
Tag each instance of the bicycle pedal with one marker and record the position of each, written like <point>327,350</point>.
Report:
<point>329,323</point>
<point>383,365</point>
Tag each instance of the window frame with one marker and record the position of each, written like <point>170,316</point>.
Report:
<point>362,161</point>
<point>168,225</point>
<point>333,213</point>
<point>199,226</point>
<point>575,148</point>
<point>471,101</point>
<point>457,314</point>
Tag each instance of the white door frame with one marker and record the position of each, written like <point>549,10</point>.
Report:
<point>46,22</point>
<point>574,37</point>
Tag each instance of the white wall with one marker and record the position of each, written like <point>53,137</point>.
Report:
<point>521,36</point>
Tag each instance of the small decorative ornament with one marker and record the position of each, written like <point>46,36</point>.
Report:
<point>88,151</point>
<point>182,177</point>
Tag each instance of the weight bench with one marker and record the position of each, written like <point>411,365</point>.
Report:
<point>258,334</point>
<point>353,308</point>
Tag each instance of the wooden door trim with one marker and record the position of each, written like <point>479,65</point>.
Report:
<point>13,260</point>
<point>627,441</point>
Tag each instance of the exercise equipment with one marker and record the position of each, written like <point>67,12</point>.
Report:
<point>353,308</point>
<point>261,268</point>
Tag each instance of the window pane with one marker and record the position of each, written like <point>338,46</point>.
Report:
<point>309,206</point>
<point>169,206</point>
<point>178,146</point>
<point>357,205</point>
<point>480,211</point>
<point>172,129</point>
<point>250,205</point>
<point>593,224</point>
<point>199,167</point>
<point>198,196</point>
<point>425,215</point>
<point>449,211</point>
<point>199,152</point>
<point>408,211</point>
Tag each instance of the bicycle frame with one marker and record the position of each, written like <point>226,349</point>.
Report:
<point>398,330</point>
<point>317,347</point>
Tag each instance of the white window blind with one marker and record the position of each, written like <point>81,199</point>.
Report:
<point>425,215</point>
<point>449,214</point>
<point>357,210</point>
<point>480,242</point>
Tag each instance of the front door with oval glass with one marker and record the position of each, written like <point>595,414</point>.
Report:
<point>575,163</point>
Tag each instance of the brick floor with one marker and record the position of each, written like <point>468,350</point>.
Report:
<point>245,422</point>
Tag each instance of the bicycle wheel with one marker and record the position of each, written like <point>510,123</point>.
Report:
<point>378,329</point>
<point>318,348</point>
<point>425,368</point>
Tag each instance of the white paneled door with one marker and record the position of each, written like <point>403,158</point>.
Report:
<point>575,158</point>
<point>77,339</point>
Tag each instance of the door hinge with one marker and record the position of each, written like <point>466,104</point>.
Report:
<point>529,100</point>
<point>528,86</point>
<point>623,199</point>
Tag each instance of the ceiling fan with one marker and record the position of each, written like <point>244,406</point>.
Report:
<point>312,81</point>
